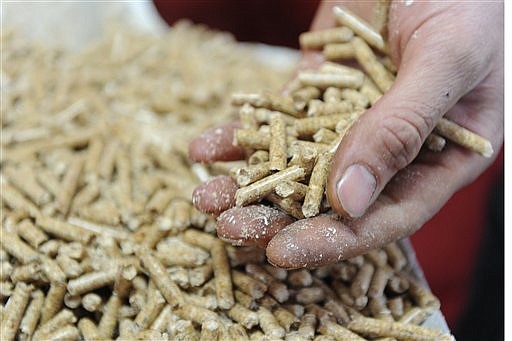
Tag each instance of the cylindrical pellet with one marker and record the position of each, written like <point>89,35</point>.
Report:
<point>462,136</point>
<point>360,27</point>
<point>317,39</point>
<point>14,310</point>
<point>269,324</point>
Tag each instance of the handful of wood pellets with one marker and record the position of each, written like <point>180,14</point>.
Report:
<point>294,137</point>
<point>99,239</point>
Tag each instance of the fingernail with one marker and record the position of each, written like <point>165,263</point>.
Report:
<point>355,190</point>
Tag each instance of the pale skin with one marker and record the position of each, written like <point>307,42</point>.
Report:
<point>383,188</point>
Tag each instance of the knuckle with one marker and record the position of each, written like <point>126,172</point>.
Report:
<point>402,137</point>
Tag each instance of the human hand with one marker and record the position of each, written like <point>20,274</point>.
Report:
<point>450,58</point>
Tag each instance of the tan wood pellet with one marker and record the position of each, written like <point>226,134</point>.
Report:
<point>101,213</point>
<point>245,300</point>
<point>63,318</point>
<point>310,295</point>
<point>30,272</point>
<point>286,319</point>
<point>370,90</point>
<point>422,296</point>
<point>316,188</point>
<point>355,97</point>
<point>169,289</point>
<point>15,200</point>
<point>396,257</point>
<point>63,230</point>
<point>277,148</point>
<point>435,142</point>
<point>196,313</point>
<point>369,62</point>
<point>91,302</point>
<point>377,257</point>
<point>307,326</point>
<point>199,238</point>
<point>237,332</point>
<point>379,309</point>
<point>69,185</point>
<point>258,157</point>
<point>464,137</point>
<point>199,275</point>
<point>88,329</point>
<point>33,235</point>
<point>338,310</point>
<point>250,138</point>
<point>91,281</point>
<point>398,284</point>
<point>265,186</point>
<point>68,332</point>
<point>302,96</point>
<point>361,282</point>
<point>288,205</point>
<point>14,217</point>
<point>243,315</point>
<point>14,310</point>
<point>221,270</point>
<point>309,126</point>
<point>401,331</point>
<point>324,135</point>
<point>338,51</point>
<point>248,285</point>
<point>86,195</point>
<point>31,317</point>
<point>340,69</point>
<point>360,27</point>
<point>317,39</point>
<point>269,324</point>
<point>209,330</point>
<point>153,306</point>
<point>340,333</point>
<point>275,288</point>
<point>17,248</point>
<point>323,80</point>
<point>378,283</point>
<point>396,306</point>
<point>319,108</point>
<point>24,180</point>
<point>72,301</point>
<point>267,100</point>
<point>247,175</point>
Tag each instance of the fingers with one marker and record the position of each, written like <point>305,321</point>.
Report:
<point>216,144</point>
<point>390,134</point>
<point>252,225</point>
<point>406,205</point>
<point>215,196</point>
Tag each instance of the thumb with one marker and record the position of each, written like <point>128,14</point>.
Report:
<point>390,134</point>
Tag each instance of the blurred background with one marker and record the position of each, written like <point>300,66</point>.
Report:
<point>460,249</point>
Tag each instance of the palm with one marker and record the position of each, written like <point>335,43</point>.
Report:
<point>417,191</point>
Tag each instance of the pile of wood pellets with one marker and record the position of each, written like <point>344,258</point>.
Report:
<point>99,239</point>
<point>294,137</point>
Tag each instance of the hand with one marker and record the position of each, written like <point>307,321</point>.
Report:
<point>450,58</point>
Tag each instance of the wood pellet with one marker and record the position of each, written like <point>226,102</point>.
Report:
<point>98,243</point>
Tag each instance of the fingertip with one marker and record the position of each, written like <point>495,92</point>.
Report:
<point>216,144</point>
<point>215,196</point>
<point>311,243</point>
<point>251,225</point>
